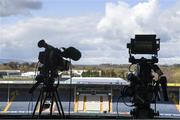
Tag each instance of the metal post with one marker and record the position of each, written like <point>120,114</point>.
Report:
<point>111,102</point>
<point>179,95</point>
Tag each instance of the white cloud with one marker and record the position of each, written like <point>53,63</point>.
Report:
<point>100,39</point>
<point>121,22</point>
<point>20,40</point>
<point>15,7</point>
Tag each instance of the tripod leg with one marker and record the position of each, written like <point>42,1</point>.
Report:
<point>57,104</point>
<point>41,106</point>
<point>37,103</point>
<point>52,101</point>
<point>60,104</point>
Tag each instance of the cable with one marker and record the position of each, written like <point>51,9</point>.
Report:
<point>70,87</point>
<point>117,109</point>
<point>28,107</point>
<point>32,95</point>
<point>125,101</point>
<point>122,96</point>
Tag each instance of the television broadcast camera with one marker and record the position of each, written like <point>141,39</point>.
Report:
<point>144,89</point>
<point>52,60</point>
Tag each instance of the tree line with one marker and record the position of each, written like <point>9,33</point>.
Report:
<point>23,67</point>
<point>172,72</point>
<point>105,73</point>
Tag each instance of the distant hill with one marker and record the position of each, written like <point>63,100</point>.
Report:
<point>11,60</point>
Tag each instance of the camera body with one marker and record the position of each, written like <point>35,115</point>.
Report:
<point>53,59</point>
<point>144,44</point>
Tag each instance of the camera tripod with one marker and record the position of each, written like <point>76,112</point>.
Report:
<point>45,92</point>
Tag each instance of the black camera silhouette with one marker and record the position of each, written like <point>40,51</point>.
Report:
<point>53,60</point>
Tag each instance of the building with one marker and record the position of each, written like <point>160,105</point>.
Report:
<point>79,95</point>
<point>10,73</point>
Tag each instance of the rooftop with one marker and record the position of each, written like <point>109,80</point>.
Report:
<point>76,80</point>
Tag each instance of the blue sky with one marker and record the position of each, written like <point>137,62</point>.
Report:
<point>99,28</point>
<point>64,8</point>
